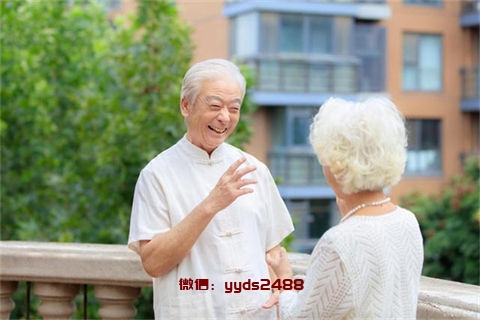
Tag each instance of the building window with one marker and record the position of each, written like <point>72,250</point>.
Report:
<point>291,158</point>
<point>291,33</point>
<point>369,46</point>
<point>295,33</point>
<point>424,147</point>
<point>301,119</point>
<point>319,36</point>
<point>422,62</point>
<point>435,3</point>
<point>305,53</point>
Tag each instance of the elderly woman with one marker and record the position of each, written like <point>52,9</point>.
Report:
<point>369,265</point>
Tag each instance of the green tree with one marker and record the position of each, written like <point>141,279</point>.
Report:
<point>84,107</point>
<point>450,227</point>
<point>85,104</point>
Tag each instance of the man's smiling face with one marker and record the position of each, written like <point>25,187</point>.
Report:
<point>215,113</point>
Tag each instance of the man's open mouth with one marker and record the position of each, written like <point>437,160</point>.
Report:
<point>218,130</point>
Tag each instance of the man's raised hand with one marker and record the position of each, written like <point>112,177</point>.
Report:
<point>230,186</point>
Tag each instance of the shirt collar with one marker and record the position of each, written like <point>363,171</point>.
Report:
<point>201,156</point>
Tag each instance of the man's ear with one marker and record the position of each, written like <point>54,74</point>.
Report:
<point>185,107</point>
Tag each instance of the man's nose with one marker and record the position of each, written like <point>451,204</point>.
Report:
<point>224,115</point>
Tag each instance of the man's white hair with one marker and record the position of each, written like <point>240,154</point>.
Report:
<point>209,70</point>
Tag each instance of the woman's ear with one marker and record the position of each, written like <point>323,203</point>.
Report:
<point>185,107</point>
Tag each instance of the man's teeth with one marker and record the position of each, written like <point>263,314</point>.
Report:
<point>218,130</point>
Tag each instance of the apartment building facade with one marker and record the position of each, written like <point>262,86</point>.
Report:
<point>423,54</point>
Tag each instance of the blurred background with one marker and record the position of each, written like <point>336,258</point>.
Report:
<point>90,93</point>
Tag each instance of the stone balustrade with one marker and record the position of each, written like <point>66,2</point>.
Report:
<point>58,271</point>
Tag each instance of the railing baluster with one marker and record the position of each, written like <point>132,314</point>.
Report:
<point>7,288</point>
<point>116,301</point>
<point>85,302</point>
<point>28,296</point>
<point>56,299</point>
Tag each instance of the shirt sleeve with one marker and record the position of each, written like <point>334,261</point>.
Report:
<point>280,222</point>
<point>327,292</point>
<point>149,215</point>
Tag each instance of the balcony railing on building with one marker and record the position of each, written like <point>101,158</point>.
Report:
<point>59,270</point>
<point>295,168</point>
<point>288,73</point>
<point>470,88</point>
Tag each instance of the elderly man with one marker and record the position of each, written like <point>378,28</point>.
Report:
<point>205,213</point>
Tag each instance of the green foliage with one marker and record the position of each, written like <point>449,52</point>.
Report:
<point>85,104</point>
<point>84,107</point>
<point>450,227</point>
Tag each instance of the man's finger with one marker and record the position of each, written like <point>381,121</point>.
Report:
<point>235,165</point>
<point>242,172</point>
<point>246,182</point>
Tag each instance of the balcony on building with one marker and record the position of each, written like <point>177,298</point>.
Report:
<point>302,53</point>
<point>469,74</point>
<point>470,13</point>
<point>470,98</point>
<point>298,173</point>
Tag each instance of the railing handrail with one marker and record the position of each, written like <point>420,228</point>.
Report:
<point>470,82</point>
<point>77,263</point>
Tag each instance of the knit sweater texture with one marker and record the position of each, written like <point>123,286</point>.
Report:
<point>367,267</point>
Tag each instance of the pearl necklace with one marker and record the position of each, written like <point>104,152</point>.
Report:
<point>363,205</point>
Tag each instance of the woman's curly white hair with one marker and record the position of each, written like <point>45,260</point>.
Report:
<point>363,143</point>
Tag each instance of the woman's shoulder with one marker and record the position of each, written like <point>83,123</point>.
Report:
<point>336,235</point>
<point>357,227</point>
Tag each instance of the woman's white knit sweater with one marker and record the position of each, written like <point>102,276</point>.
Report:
<point>367,267</point>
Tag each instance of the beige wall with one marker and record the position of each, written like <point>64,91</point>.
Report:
<point>209,27</point>
<point>260,142</point>
<point>210,36</point>
<point>444,105</point>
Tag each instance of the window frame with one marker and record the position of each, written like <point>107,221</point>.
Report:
<point>419,132</point>
<point>306,33</point>
<point>428,3</point>
<point>415,63</point>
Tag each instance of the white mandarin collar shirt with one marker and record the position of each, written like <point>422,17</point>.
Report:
<point>232,247</point>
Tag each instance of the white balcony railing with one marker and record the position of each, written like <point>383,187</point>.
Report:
<point>58,270</point>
